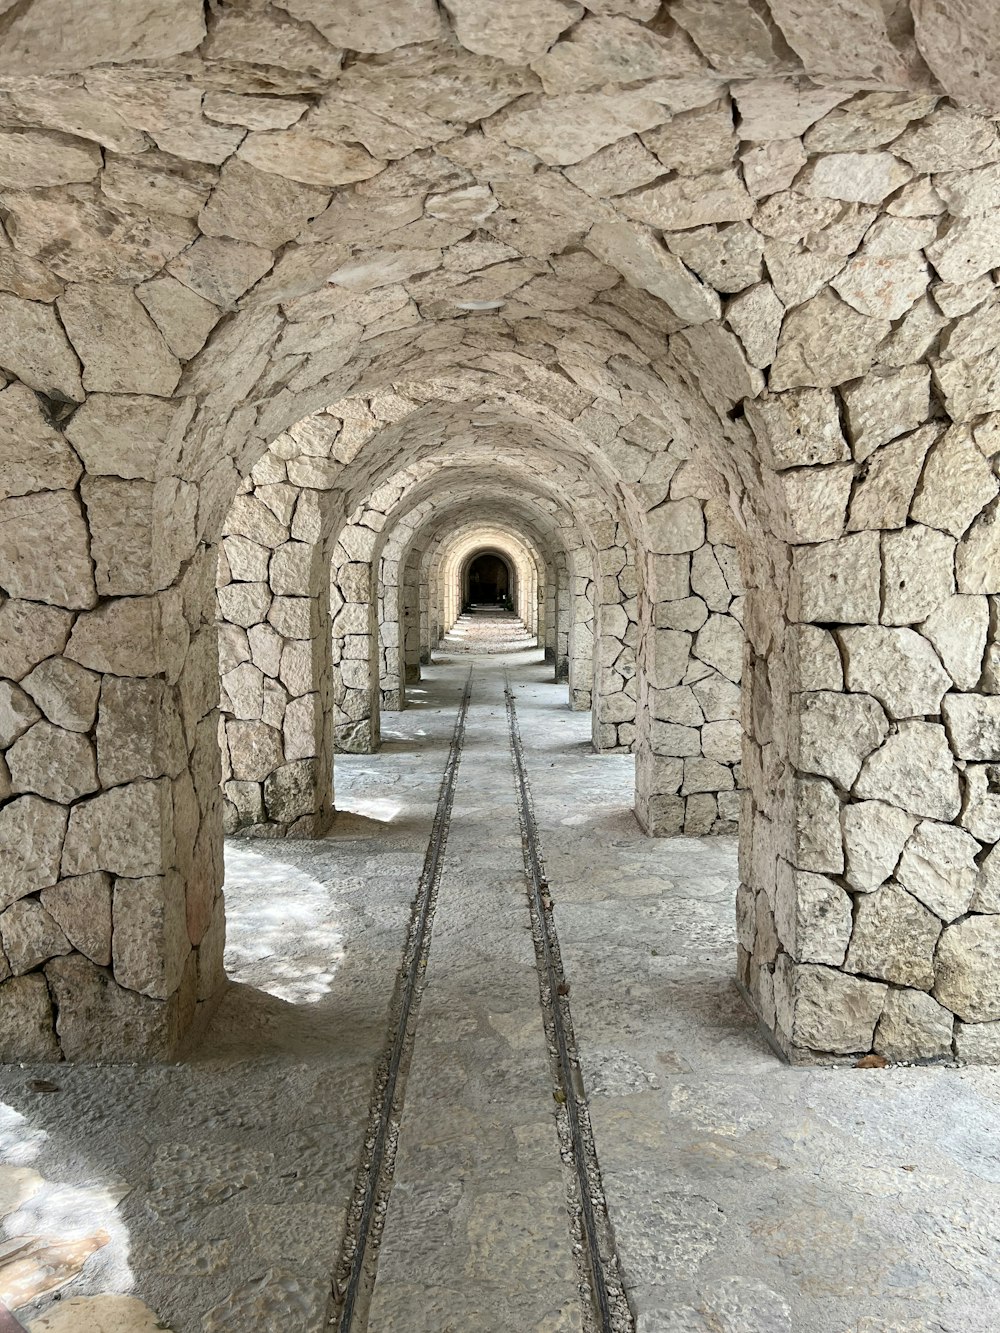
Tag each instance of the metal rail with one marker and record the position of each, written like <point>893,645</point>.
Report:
<point>612,1309</point>
<point>387,1099</point>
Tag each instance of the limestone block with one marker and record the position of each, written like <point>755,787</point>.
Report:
<point>307,158</point>
<point>220,270</point>
<point>728,258</point>
<point>300,727</point>
<point>248,801</point>
<point>938,866</point>
<point>977,1043</point>
<point>977,557</point>
<point>676,526</point>
<point>17,713</point>
<point>645,263</point>
<point>244,691</point>
<point>245,604</point>
<point>781,108</point>
<point>868,120</point>
<point>913,336</point>
<point>718,698</point>
<point>883,287</point>
<point>813,502</point>
<point>889,237</point>
<point>755,317</point>
<point>184,318</point>
<point>919,574</point>
<point>817,842</point>
<point>98,1020</point>
<point>35,456</point>
<point>798,273</point>
<point>958,483</point>
<point>865,178</point>
<point>897,666</point>
<point>36,567</point>
<point>674,741</point>
<point>792,216</point>
<point>34,347</point>
<point>914,1027</point>
<point>27,1024</point>
<point>50,762</point>
<point>149,938</point>
<point>894,938</point>
<point>836,733</point>
<point>297,667</point>
<point>885,486</point>
<point>597,51</point>
<point>291,569</point>
<point>967,248</point>
<point>874,837</point>
<point>691,201</point>
<point>101,832</point>
<point>704,775</point>
<point>824,342</point>
<point>723,741</point>
<point>771,167</point>
<point>259,207</point>
<point>82,908</point>
<point>292,617</point>
<point>254,749</point>
<point>814,660</point>
<point>249,517</point>
<point>812,916</point>
<point>981,812</point>
<point>708,579</point>
<point>976,331</point>
<point>948,139</point>
<point>121,348</point>
<point>248,561</point>
<point>66,693</point>
<point>30,936</point>
<point>885,405</point>
<point>958,630</point>
<point>141,532</point>
<point>830,1011</point>
<point>915,771</point>
<point>734,38</point>
<point>31,839</point>
<point>290,792</point>
<point>968,969</point>
<point>719,643</point>
<point>132,636</point>
<point>954,301</point>
<point>973,722</point>
<point>959,46</point>
<point>837,581</point>
<point>970,387</point>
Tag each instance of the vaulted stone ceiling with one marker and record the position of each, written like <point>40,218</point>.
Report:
<point>721,272</point>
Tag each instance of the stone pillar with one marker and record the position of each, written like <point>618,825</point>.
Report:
<point>410,621</point>
<point>563,611</point>
<point>615,685</point>
<point>274,634</point>
<point>111,912</point>
<point>581,644</point>
<point>355,648</point>
<point>689,731</point>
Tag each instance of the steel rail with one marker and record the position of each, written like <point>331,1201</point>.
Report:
<point>415,955</point>
<point>614,1315</point>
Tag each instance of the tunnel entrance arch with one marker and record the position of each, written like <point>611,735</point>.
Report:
<point>488,580</point>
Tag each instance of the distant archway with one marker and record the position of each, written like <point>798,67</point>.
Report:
<point>488,579</point>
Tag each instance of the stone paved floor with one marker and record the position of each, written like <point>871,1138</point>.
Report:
<point>747,1197</point>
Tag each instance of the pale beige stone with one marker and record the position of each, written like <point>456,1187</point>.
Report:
<point>220,270</point>
<point>818,843</point>
<point>897,666</point>
<point>31,835</point>
<point>884,405</point>
<point>811,503</point>
<point>968,969</point>
<point>82,908</point>
<point>35,456</point>
<point>30,936</point>
<point>883,287</point>
<point>884,488</point>
<point>949,139</point>
<point>977,557</point>
<point>837,733</point>
<point>837,581</point>
<point>728,258</point>
<point>913,1026</point>
<point>755,317</point>
<point>691,201</point>
<point>30,632</point>
<point>17,713</point>
<point>101,831</point>
<point>258,206</point>
<point>919,573</point>
<point>812,917</point>
<point>184,318</point>
<point>874,837</point>
<point>50,762</point>
<point>831,1012</point>
<point>973,722</point>
<point>34,347</point>
<point>98,1314</point>
<point>801,427</point>
<point>781,109</point>
<point>958,631</point>
<point>894,938</point>
<point>149,937</point>
<point>938,866</point>
<point>35,566</point>
<point>825,342</point>
<point>958,483</point>
<point>306,158</point>
<point>122,350</point>
<point>968,248</point>
<point>915,771</point>
<point>27,1028</point>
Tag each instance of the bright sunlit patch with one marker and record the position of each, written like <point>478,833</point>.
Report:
<point>283,930</point>
<point>379,808</point>
<point>20,1143</point>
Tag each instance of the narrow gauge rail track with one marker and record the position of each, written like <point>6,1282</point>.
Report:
<point>355,1275</point>
<point>611,1312</point>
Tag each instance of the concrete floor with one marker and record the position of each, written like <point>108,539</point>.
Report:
<point>747,1197</point>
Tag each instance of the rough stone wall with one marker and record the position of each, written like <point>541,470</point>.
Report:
<point>768,247</point>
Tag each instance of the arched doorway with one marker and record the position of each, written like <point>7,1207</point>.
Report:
<point>488,580</point>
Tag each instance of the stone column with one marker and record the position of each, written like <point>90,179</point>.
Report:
<point>615,692</point>
<point>581,644</point>
<point>410,621</point>
<point>563,612</point>
<point>355,647</point>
